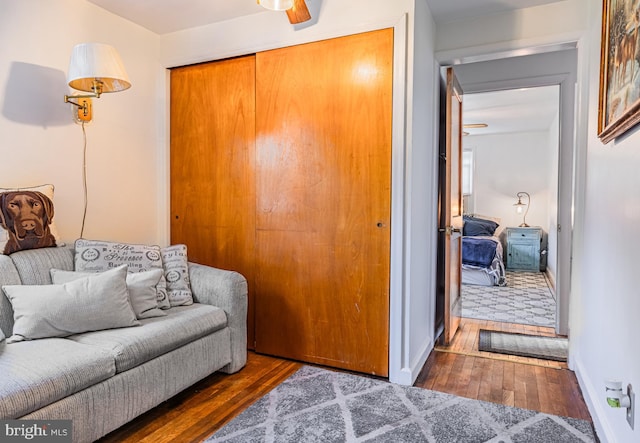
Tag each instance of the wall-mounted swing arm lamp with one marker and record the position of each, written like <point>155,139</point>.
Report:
<point>95,68</point>
<point>520,207</point>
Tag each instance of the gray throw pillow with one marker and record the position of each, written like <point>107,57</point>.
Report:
<point>176,272</point>
<point>99,256</point>
<point>1,336</point>
<point>86,304</point>
<point>141,286</point>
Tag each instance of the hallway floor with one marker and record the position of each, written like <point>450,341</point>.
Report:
<point>541,385</point>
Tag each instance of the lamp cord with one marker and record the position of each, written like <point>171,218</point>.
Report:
<point>84,177</point>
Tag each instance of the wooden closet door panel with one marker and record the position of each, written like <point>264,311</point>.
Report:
<point>213,165</point>
<point>323,177</point>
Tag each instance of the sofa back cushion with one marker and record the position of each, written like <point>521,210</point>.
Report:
<point>34,265</point>
<point>8,276</point>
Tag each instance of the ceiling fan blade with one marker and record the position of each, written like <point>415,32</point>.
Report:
<point>299,12</point>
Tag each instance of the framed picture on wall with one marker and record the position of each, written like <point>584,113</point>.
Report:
<point>619,103</point>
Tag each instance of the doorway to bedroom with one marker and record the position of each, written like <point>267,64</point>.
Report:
<point>554,66</point>
<point>510,186</point>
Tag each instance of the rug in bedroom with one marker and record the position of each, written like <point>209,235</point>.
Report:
<point>526,299</point>
<point>317,405</point>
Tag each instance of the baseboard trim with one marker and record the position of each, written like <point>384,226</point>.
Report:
<point>408,374</point>
<point>594,399</point>
<point>551,279</point>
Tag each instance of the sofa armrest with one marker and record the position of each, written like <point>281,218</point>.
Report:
<point>226,290</point>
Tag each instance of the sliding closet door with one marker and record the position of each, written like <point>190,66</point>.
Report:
<point>323,180</point>
<point>213,165</point>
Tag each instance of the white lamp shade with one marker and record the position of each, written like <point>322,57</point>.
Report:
<point>276,5</point>
<point>97,61</point>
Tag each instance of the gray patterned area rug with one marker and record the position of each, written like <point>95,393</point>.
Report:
<point>316,405</point>
<point>526,299</point>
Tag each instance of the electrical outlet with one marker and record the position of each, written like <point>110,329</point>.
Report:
<point>631,410</point>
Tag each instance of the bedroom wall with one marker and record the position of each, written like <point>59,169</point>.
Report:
<point>39,143</point>
<point>552,203</point>
<point>506,164</point>
<point>414,151</point>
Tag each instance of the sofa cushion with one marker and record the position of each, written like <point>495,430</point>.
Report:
<point>87,304</point>
<point>159,335</point>
<point>8,276</point>
<point>33,265</point>
<point>98,256</point>
<point>176,272</point>
<point>141,286</point>
<point>26,384</point>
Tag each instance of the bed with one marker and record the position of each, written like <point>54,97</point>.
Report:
<point>482,253</point>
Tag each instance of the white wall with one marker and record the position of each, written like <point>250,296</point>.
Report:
<point>422,185</point>
<point>506,164</point>
<point>605,321</point>
<point>552,223</point>
<point>515,30</point>
<point>39,143</point>
<point>413,236</point>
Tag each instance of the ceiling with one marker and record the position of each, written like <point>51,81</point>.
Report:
<point>164,16</point>
<point>505,111</point>
<point>513,110</point>
<point>444,11</point>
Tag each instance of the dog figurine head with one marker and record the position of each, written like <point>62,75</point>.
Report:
<point>26,215</point>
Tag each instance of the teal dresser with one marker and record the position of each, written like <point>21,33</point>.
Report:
<point>523,249</point>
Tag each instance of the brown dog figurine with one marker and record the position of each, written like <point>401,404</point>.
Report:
<point>26,215</point>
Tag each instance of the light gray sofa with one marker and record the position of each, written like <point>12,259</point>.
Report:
<point>103,379</point>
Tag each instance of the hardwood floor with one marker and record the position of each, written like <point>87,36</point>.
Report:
<point>199,411</point>
<point>540,385</point>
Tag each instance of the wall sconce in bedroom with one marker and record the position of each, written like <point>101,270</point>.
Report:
<point>95,68</point>
<point>520,207</point>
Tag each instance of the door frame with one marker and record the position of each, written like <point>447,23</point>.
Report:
<point>568,166</point>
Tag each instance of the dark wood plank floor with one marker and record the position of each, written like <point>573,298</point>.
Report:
<point>540,385</point>
<point>200,410</point>
<point>460,369</point>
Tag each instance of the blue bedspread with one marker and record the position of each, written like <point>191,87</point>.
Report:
<point>478,251</point>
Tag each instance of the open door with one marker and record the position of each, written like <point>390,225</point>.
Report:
<point>450,207</point>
